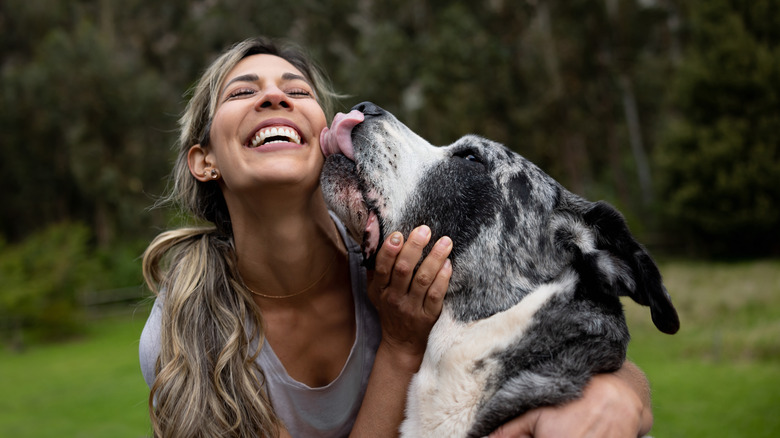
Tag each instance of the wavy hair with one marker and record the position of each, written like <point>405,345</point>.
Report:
<point>208,382</point>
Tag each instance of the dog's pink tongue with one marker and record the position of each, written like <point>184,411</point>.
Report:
<point>338,139</point>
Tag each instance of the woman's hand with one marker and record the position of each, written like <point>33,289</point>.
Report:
<point>409,302</point>
<point>613,405</point>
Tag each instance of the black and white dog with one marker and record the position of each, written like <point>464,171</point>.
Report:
<point>532,310</point>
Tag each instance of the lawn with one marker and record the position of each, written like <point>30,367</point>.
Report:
<point>85,388</point>
<point>719,376</point>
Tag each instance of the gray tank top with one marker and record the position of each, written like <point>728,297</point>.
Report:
<point>327,411</point>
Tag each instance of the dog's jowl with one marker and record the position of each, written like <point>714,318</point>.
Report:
<point>533,308</point>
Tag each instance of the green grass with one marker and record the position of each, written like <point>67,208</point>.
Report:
<point>718,377</point>
<point>87,388</point>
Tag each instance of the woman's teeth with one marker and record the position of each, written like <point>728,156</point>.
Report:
<point>275,135</point>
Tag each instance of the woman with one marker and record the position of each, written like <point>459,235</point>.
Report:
<point>261,326</point>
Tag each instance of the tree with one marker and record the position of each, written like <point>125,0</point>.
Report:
<point>720,153</point>
<point>84,130</point>
<point>91,92</point>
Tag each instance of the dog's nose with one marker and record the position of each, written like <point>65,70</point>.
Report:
<point>369,109</point>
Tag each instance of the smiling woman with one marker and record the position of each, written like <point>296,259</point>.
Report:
<point>262,324</point>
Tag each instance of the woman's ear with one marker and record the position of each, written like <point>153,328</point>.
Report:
<point>202,164</point>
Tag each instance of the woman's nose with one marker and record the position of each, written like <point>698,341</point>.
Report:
<point>273,97</point>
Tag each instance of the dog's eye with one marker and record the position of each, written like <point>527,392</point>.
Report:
<point>468,156</point>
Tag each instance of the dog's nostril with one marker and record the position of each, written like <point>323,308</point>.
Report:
<point>369,109</point>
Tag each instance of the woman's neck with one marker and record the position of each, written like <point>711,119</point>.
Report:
<point>283,249</point>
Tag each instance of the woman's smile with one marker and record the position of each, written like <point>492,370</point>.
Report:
<point>275,134</point>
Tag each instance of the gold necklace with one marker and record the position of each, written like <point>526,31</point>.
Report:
<point>316,282</point>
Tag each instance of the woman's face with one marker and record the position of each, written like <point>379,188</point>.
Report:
<point>266,127</point>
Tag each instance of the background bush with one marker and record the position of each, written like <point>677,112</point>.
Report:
<point>41,279</point>
<point>46,276</point>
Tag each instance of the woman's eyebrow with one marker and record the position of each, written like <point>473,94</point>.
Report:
<point>293,77</point>
<point>251,77</point>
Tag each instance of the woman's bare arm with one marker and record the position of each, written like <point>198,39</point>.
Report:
<point>408,304</point>
<point>613,405</point>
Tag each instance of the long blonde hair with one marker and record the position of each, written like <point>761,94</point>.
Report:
<point>208,382</point>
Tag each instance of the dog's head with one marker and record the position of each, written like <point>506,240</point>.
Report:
<point>507,218</point>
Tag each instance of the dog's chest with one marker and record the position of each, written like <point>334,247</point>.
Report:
<point>461,364</point>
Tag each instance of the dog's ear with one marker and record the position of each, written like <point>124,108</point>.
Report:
<point>608,258</point>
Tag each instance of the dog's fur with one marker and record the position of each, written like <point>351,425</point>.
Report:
<point>532,310</point>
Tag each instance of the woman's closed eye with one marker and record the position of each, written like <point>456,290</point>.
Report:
<point>240,92</point>
<point>247,92</point>
<point>298,92</point>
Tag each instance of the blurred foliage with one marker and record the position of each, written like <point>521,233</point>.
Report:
<point>668,109</point>
<point>46,275</point>
<point>720,155</point>
<point>41,279</point>
<point>81,131</point>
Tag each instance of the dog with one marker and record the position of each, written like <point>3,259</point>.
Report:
<point>532,311</point>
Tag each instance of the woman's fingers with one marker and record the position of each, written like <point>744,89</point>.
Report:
<point>434,300</point>
<point>395,276</point>
<point>433,277</point>
<point>385,259</point>
<point>407,260</point>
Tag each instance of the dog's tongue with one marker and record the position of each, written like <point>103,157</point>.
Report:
<point>338,139</point>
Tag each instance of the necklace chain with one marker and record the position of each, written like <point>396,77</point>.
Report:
<point>307,288</point>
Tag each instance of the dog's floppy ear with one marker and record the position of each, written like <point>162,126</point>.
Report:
<point>608,257</point>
